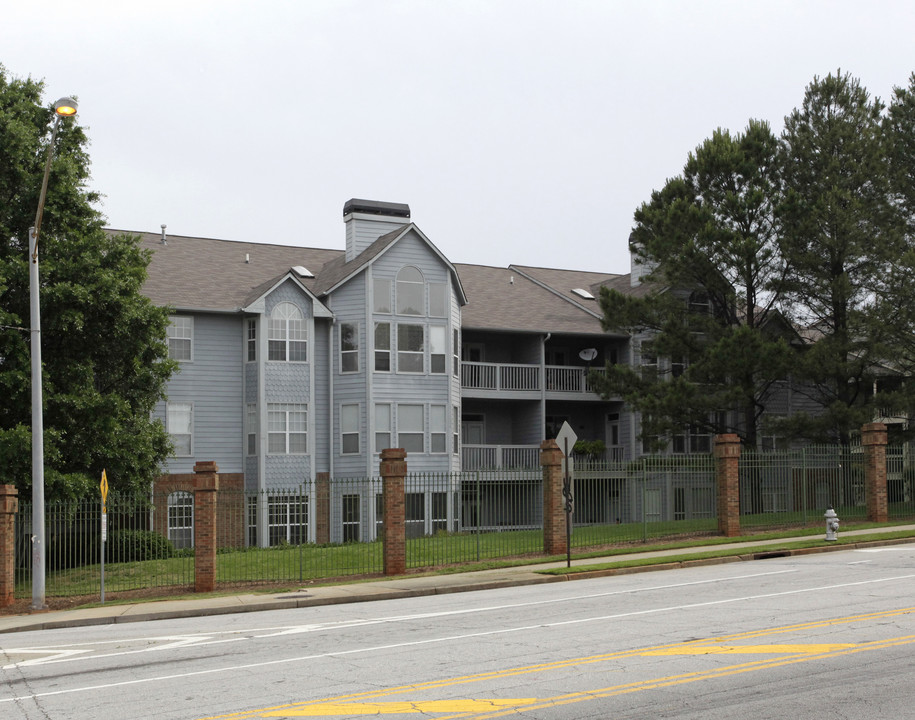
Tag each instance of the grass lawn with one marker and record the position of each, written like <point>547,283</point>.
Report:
<point>444,552</point>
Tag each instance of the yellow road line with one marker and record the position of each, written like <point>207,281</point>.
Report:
<point>687,678</point>
<point>691,647</point>
<point>402,708</point>
<point>747,649</point>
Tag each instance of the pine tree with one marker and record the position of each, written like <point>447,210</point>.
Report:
<point>841,236</point>
<point>709,242</point>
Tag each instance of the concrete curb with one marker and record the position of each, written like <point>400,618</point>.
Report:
<point>383,590</point>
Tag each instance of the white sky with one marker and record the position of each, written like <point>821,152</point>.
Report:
<point>518,131</point>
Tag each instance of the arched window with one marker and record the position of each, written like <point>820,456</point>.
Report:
<point>288,334</point>
<point>181,519</point>
<point>410,296</point>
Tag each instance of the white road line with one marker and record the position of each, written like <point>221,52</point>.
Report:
<point>449,638</point>
<point>251,633</point>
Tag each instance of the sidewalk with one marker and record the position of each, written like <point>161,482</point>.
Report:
<point>403,587</point>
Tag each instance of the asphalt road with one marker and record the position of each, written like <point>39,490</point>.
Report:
<point>822,636</point>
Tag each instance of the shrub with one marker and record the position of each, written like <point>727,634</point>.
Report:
<point>131,545</point>
<point>592,449</point>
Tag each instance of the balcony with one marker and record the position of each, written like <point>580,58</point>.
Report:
<point>492,457</point>
<point>516,378</point>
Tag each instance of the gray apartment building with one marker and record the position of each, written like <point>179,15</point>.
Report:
<point>298,363</point>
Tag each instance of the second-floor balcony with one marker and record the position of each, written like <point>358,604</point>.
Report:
<point>513,377</point>
<point>492,457</point>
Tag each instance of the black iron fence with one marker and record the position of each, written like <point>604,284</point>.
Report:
<point>319,530</point>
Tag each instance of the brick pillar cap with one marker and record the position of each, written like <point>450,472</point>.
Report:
<point>873,434</point>
<point>393,454</point>
<point>205,466</point>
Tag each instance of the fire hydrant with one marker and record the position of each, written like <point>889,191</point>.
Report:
<point>832,524</point>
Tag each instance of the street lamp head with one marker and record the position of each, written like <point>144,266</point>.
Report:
<point>65,107</point>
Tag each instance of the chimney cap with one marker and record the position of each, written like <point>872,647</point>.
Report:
<point>375,207</point>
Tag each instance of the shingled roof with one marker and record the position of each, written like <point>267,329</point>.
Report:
<point>506,300</point>
<point>205,274</point>
<point>191,273</point>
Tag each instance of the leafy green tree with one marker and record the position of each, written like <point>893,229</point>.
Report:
<point>842,237</point>
<point>708,241</point>
<point>105,361</point>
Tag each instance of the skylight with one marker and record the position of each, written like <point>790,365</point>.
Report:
<point>302,271</point>
<point>582,293</point>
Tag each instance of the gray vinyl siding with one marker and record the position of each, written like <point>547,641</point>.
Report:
<point>321,398</point>
<point>349,306</point>
<point>212,382</point>
<point>413,388</point>
<point>251,377</point>
<point>362,232</point>
<point>290,382</point>
<point>527,425</point>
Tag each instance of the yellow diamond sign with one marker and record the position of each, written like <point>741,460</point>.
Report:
<point>104,487</point>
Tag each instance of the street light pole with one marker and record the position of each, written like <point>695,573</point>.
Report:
<point>65,107</point>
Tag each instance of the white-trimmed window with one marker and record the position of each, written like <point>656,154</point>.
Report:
<point>769,441</point>
<point>648,359</point>
<point>455,353</point>
<point>381,295</point>
<point>251,428</point>
<point>410,287</point>
<point>694,440</point>
<point>351,518</point>
<point>286,429</point>
<point>288,334</point>
<point>349,347</point>
<point>382,347</point>
<point>251,340</point>
<point>410,428</point>
<point>699,303</point>
<point>411,347</point>
<point>437,299</point>
<point>179,420</point>
<point>678,366</point>
<point>180,337</point>
<point>438,436</point>
<point>455,428</point>
<point>349,429</point>
<point>287,519</point>
<point>181,519</point>
<point>382,427</point>
<point>438,349</point>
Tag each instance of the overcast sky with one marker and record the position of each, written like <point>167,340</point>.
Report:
<point>518,131</point>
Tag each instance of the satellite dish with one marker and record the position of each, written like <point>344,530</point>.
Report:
<point>588,354</point>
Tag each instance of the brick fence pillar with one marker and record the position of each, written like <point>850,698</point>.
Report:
<point>554,512</point>
<point>873,438</point>
<point>393,473</point>
<point>322,508</point>
<point>727,480</point>
<point>9,505</point>
<point>206,486</point>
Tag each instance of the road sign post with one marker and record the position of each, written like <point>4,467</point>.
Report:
<point>104,489</point>
<point>566,439</point>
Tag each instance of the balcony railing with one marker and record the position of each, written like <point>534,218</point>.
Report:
<point>490,457</point>
<point>500,376</point>
<point>516,377</point>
